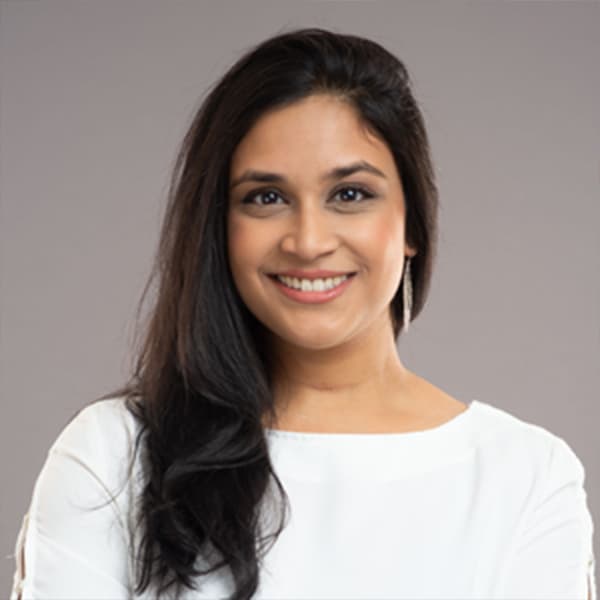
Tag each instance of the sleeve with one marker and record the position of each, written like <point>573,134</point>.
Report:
<point>73,541</point>
<point>553,556</point>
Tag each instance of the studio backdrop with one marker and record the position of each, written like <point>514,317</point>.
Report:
<point>94,99</point>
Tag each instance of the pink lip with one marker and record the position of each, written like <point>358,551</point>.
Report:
<point>315,274</point>
<point>311,297</point>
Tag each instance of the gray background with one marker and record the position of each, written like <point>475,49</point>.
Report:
<point>95,97</point>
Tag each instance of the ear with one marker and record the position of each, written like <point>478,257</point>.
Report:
<point>409,250</point>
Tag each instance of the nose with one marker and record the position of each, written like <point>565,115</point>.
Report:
<point>311,233</point>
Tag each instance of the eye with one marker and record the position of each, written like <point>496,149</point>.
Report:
<point>269,197</point>
<point>352,197</point>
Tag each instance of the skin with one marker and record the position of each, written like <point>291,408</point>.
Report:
<point>338,367</point>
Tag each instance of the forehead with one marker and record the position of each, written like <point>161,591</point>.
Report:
<point>310,136</point>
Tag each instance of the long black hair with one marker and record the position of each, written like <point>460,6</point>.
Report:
<point>201,386</point>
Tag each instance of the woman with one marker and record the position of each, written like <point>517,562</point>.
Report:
<point>271,443</point>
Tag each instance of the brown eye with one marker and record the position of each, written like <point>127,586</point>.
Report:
<point>268,197</point>
<point>351,197</point>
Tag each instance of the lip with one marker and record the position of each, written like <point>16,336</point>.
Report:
<point>311,297</point>
<point>315,274</point>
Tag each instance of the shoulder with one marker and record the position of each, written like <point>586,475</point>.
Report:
<point>533,478</point>
<point>77,526</point>
<point>102,435</point>
<point>532,456</point>
<point>92,459</point>
<point>538,482</point>
<point>108,419</point>
<point>499,426</point>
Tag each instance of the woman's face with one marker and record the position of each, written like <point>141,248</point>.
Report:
<point>300,217</point>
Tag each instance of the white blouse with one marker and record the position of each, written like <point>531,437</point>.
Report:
<point>483,506</point>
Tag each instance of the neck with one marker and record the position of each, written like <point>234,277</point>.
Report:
<point>352,379</point>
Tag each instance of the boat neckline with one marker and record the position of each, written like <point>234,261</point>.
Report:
<point>455,421</point>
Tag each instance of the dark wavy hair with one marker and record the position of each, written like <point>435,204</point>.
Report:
<point>201,384</point>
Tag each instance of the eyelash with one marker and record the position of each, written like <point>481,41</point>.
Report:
<point>366,193</point>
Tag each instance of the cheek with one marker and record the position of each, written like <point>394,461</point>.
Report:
<point>382,241</point>
<point>237,243</point>
<point>246,249</point>
<point>392,236</point>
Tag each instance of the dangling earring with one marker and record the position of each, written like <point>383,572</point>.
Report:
<point>407,295</point>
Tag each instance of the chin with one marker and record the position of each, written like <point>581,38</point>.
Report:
<point>315,340</point>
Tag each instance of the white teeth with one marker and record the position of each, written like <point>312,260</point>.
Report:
<point>312,285</point>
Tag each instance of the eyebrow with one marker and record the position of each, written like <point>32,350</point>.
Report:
<point>335,173</point>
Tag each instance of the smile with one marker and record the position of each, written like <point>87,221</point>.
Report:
<point>312,285</point>
<point>312,291</point>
